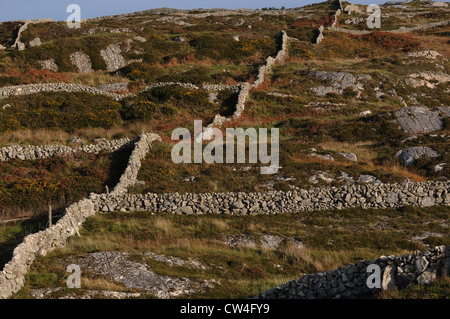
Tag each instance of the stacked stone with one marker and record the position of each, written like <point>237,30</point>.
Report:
<point>351,281</point>
<point>423,194</point>
<point>32,152</point>
<point>421,27</point>
<point>320,36</point>
<point>220,87</point>
<point>12,278</point>
<point>20,90</point>
<point>129,177</point>
<point>281,54</point>
<point>400,30</point>
<point>8,91</point>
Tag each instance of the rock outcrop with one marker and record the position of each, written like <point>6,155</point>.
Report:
<point>81,61</point>
<point>340,81</point>
<point>49,65</point>
<point>411,154</point>
<point>421,120</point>
<point>113,58</point>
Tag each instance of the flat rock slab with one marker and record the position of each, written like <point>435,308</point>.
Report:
<point>135,275</point>
<point>421,120</point>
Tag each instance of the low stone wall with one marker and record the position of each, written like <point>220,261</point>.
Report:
<point>17,42</point>
<point>12,277</point>
<point>19,90</point>
<point>129,177</point>
<point>243,89</point>
<point>265,69</point>
<point>33,152</point>
<point>351,281</point>
<point>401,30</point>
<point>421,27</point>
<point>423,194</point>
<point>320,35</point>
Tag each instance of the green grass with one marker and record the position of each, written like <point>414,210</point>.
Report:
<point>332,239</point>
<point>440,289</point>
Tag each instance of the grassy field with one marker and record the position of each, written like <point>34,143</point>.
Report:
<point>329,239</point>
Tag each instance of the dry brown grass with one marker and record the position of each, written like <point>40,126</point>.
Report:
<point>164,225</point>
<point>433,42</point>
<point>101,284</point>
<point>365,153</point>
<point>363,150</point>
<point>47,136</point>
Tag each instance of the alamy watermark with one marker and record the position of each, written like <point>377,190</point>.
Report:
<point>258,142</point>
<point>374,279</point>
<point>74,20</point>
<point>374,20</point>
<point>74,279</point>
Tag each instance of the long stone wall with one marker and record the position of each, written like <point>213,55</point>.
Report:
<point>12,277</point>
<point>351,281</point>
<point>129,177</point>
<point>20,90</point>
<point>32,152</point>
<point>400,30</point>
<point>424,194</point>
<point>281,54</point>
<point>244,88</point>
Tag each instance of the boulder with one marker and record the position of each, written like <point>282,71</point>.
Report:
<point>49,65</point>
<point>34,43</point>
<point>113,57</point>
<point>411,154</point>
<point>350,156</point>
<point>352,8</point>
<point>81,61</point>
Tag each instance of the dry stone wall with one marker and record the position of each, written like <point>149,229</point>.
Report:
<point>129,177</point>
<point>17,42</point>
<point>265,69</point>
<point>19,90</point>
<point>424,194</point>
<point>32,152</point>
<point>244,88</point>
<point>351,281</point>
<point>400,30</point>
<point>12,277</point>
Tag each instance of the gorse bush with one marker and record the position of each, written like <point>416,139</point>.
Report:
<point>142,71</point>
<point>140,110</point>
<point>66,111</point>
<point>32,185</point>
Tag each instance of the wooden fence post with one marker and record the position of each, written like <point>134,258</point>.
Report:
<point>49,215</point>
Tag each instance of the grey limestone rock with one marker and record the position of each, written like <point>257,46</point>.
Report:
<point>411,154</point>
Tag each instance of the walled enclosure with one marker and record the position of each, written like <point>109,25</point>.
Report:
<point>345,282</point>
